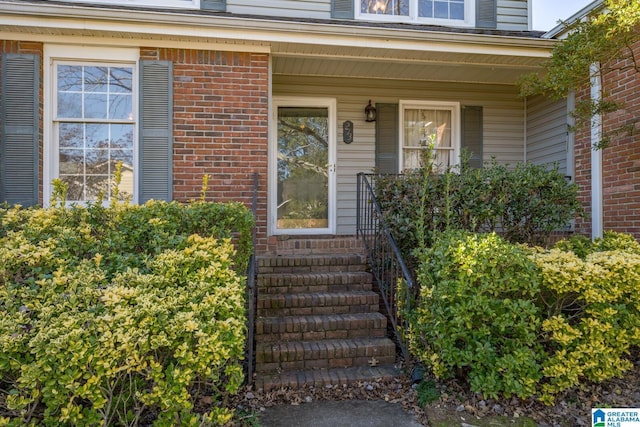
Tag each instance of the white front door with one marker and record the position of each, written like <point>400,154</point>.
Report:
<point>302,166</point>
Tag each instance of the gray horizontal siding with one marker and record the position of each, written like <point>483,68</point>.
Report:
<point>513,15</point>
<point>547,132</point>
<point>503,125</point>
<point>315,9</point>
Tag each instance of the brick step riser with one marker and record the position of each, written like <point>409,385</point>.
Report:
<point>321,335</point>
<point>318,310</point>
<point>279,357</point>
<point>317,303</point>
<point>334,326</point>
<point>306,289</point>
<point>334,278</point>
<point>301,269</point>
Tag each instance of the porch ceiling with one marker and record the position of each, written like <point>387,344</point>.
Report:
<point>422,65</point>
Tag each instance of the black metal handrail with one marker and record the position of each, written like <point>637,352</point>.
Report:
<point>252,290</point>
<point>394,280</point>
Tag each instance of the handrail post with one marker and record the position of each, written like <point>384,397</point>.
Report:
<point>251,287</point>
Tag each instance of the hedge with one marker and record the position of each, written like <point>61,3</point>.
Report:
<point>122,315</point>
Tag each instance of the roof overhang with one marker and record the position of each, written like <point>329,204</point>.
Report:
<point>297,47</point>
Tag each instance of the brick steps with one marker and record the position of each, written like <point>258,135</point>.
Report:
<point>286,283</point>
<point>319,322</point>
<point>329,326</point>
<point>290,304</point>
<point>341,353</point>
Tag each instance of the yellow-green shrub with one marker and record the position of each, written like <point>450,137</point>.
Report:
<point>511,319</point>
<point>592,308</point>
<point>115,316</point>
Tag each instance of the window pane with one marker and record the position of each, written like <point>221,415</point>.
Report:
<point>95,106</point>
<point>71,161</point>
<point>120,107</point>
<point>97,136</point>
<point>385,7</point>
<point>120,80</point>
<point>69,105</point>
<point>69,78</point>
<point>457,10</point>
<point>425,8</point>
<point>75,187</point>
<point>95,186</point>
<point>96,79</point>
<point>122,136</point>
<point>441,10</point>
<point>97,162</point>
<point>71,135</point>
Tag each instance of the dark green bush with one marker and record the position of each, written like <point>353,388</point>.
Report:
<point>524,204</point>
<point>476,317</point>
<point>111,316</point>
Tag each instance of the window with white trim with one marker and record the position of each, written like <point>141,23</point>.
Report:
<point>190,4</point>
<point>437,12</point>
<point>429,130</point>
<point>93,128</point>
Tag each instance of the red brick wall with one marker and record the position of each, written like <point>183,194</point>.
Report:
<point>220,125</point>
<point>34,48</point>
<point>621,160</point>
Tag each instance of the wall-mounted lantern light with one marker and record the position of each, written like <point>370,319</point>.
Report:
<point>370,113</point>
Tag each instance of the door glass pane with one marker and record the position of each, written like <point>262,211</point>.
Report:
<point>303,160</point>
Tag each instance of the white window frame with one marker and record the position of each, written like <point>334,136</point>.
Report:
<point>469,13</point>
<point>85,55</point>
<point>185,4</point>
<point>456,132</point>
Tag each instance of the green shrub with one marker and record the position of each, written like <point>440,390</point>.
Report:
<point>476,318</point>
<point>512,319</point>
<point>592,311</point>
<point>120,315</point>
<point>524,204</point>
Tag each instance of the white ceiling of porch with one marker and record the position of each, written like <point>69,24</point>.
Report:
<point>421,65</point>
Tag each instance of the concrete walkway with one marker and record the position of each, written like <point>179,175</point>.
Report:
<point>347,413</point>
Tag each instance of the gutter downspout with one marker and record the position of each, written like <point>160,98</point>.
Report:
<point>596,156</point>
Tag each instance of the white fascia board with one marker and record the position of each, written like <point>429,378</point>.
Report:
<point>157,24</point>
<point>560,29</point>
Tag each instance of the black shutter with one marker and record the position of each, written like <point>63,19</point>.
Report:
<point>19,129</point>
<point>387,138</point>
<point>486,14</point>
<point>342,9</point>
<point>472,134</point>
<point>156,130</point>
<point>219,5</point>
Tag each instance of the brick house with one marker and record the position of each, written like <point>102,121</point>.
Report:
<point>176,89</point>
<point>302,94</point>
<point>609,179</point>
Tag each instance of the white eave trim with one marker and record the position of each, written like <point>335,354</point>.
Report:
<point>161,25</point>
<point>579,15</point>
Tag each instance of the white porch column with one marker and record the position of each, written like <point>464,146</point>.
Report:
<point>596,156</point>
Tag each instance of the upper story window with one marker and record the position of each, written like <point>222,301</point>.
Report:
<point>191,4</point>
<point>437,12</point>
